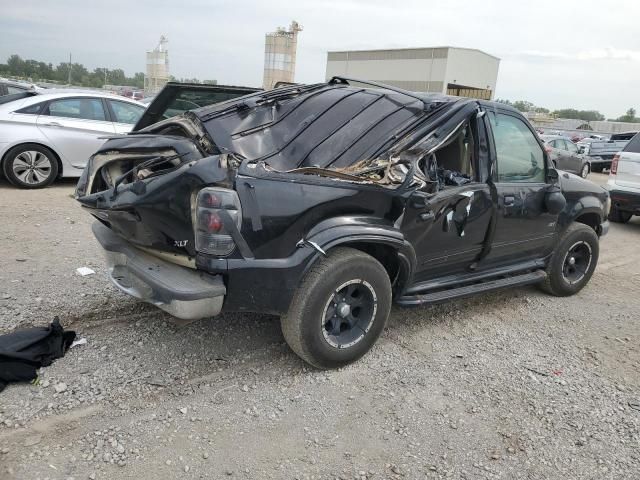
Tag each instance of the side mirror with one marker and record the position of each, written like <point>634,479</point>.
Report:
<point>553,176</point>
<point>554,199</point>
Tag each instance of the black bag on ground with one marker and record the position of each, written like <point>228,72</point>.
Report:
<point>24,351</point>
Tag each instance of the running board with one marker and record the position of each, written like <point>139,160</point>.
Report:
<point>460,292</point>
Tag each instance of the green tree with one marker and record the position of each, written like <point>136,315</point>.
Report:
<point>586,115</point>
<point>35,70</point>
<point>15,65</point>
<point>630,117</point>
<point>523,105</point>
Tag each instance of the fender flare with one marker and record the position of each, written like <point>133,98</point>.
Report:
<point>346,230</point>
<point>585,205</point>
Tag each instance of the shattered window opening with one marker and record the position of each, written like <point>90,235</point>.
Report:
<point>453,163</point>
<point>519,155</point>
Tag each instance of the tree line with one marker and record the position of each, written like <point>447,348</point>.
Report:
<point>586,115</point>
<point>37,71</point>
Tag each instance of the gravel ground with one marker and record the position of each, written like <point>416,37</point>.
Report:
<point>511,385</point>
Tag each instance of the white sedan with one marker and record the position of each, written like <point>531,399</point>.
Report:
<point>49,134</point>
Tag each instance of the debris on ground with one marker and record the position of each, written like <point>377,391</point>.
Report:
<point>78,342</point>
<point>24,351</point>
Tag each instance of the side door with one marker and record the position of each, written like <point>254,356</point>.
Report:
<point>124,114</point>
<point>75,127</point>
<point>574,158</point>
<point>562,158</point>
<point>552,150</point>
<point>524,230</point>
<point>448,228</point>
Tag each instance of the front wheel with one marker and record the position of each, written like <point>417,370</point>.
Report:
<point>573,261</point>
<point>339,310</point>
<point>585,170</point>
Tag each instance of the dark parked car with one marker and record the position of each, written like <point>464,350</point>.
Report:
<point>325,203</point>
<point>565,155</point>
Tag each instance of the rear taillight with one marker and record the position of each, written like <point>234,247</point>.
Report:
<point>217,212</point>
<point>614,164</point>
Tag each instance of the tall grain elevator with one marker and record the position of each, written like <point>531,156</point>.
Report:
<point>280,55</point>
<point>157,74</point>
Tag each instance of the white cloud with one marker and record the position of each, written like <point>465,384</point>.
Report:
<point>608,53</point>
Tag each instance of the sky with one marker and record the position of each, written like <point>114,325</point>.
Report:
<point>557,54</point>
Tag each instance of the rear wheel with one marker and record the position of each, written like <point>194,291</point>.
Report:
<point>339,309</point>
<point>30,166</point>
<point>618,216</point>
<point>573,261</point>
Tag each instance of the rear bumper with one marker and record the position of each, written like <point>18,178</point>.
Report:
<point>625,201</point>
<point>182,292</point>
<point>601,161</point>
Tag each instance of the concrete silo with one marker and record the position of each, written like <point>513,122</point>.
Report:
<point>157,68</point>
<point>280,55</point>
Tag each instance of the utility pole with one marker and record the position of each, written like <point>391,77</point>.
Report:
<point>69,79</point>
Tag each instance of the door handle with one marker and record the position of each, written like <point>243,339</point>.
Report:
<point>52,124</point>
<point>509,200</point>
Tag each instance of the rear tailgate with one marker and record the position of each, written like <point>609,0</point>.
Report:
<point>628,174</point>
<point>628,171</point>
<point>606,149</point>
<point>176,98</point>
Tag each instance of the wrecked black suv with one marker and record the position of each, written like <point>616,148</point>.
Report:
<point>324,203</point>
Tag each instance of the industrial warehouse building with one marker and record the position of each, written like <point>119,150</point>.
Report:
<point>465,72</point>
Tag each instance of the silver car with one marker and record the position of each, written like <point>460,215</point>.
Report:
<point>49,134</point>
<point>565,155</point>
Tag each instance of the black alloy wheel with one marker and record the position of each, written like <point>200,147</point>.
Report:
<point>577,262</point>
<point>339,309</point>
<point>573,261</point>
<point>349,313</point>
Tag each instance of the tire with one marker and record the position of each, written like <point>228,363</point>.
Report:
<point>585,170</point>
<point>615,215</point>
<point>314,317</point>
<point>30,166</point>
<point>580,244</point>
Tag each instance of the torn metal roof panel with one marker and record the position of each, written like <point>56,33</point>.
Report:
<point>324,126</point>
